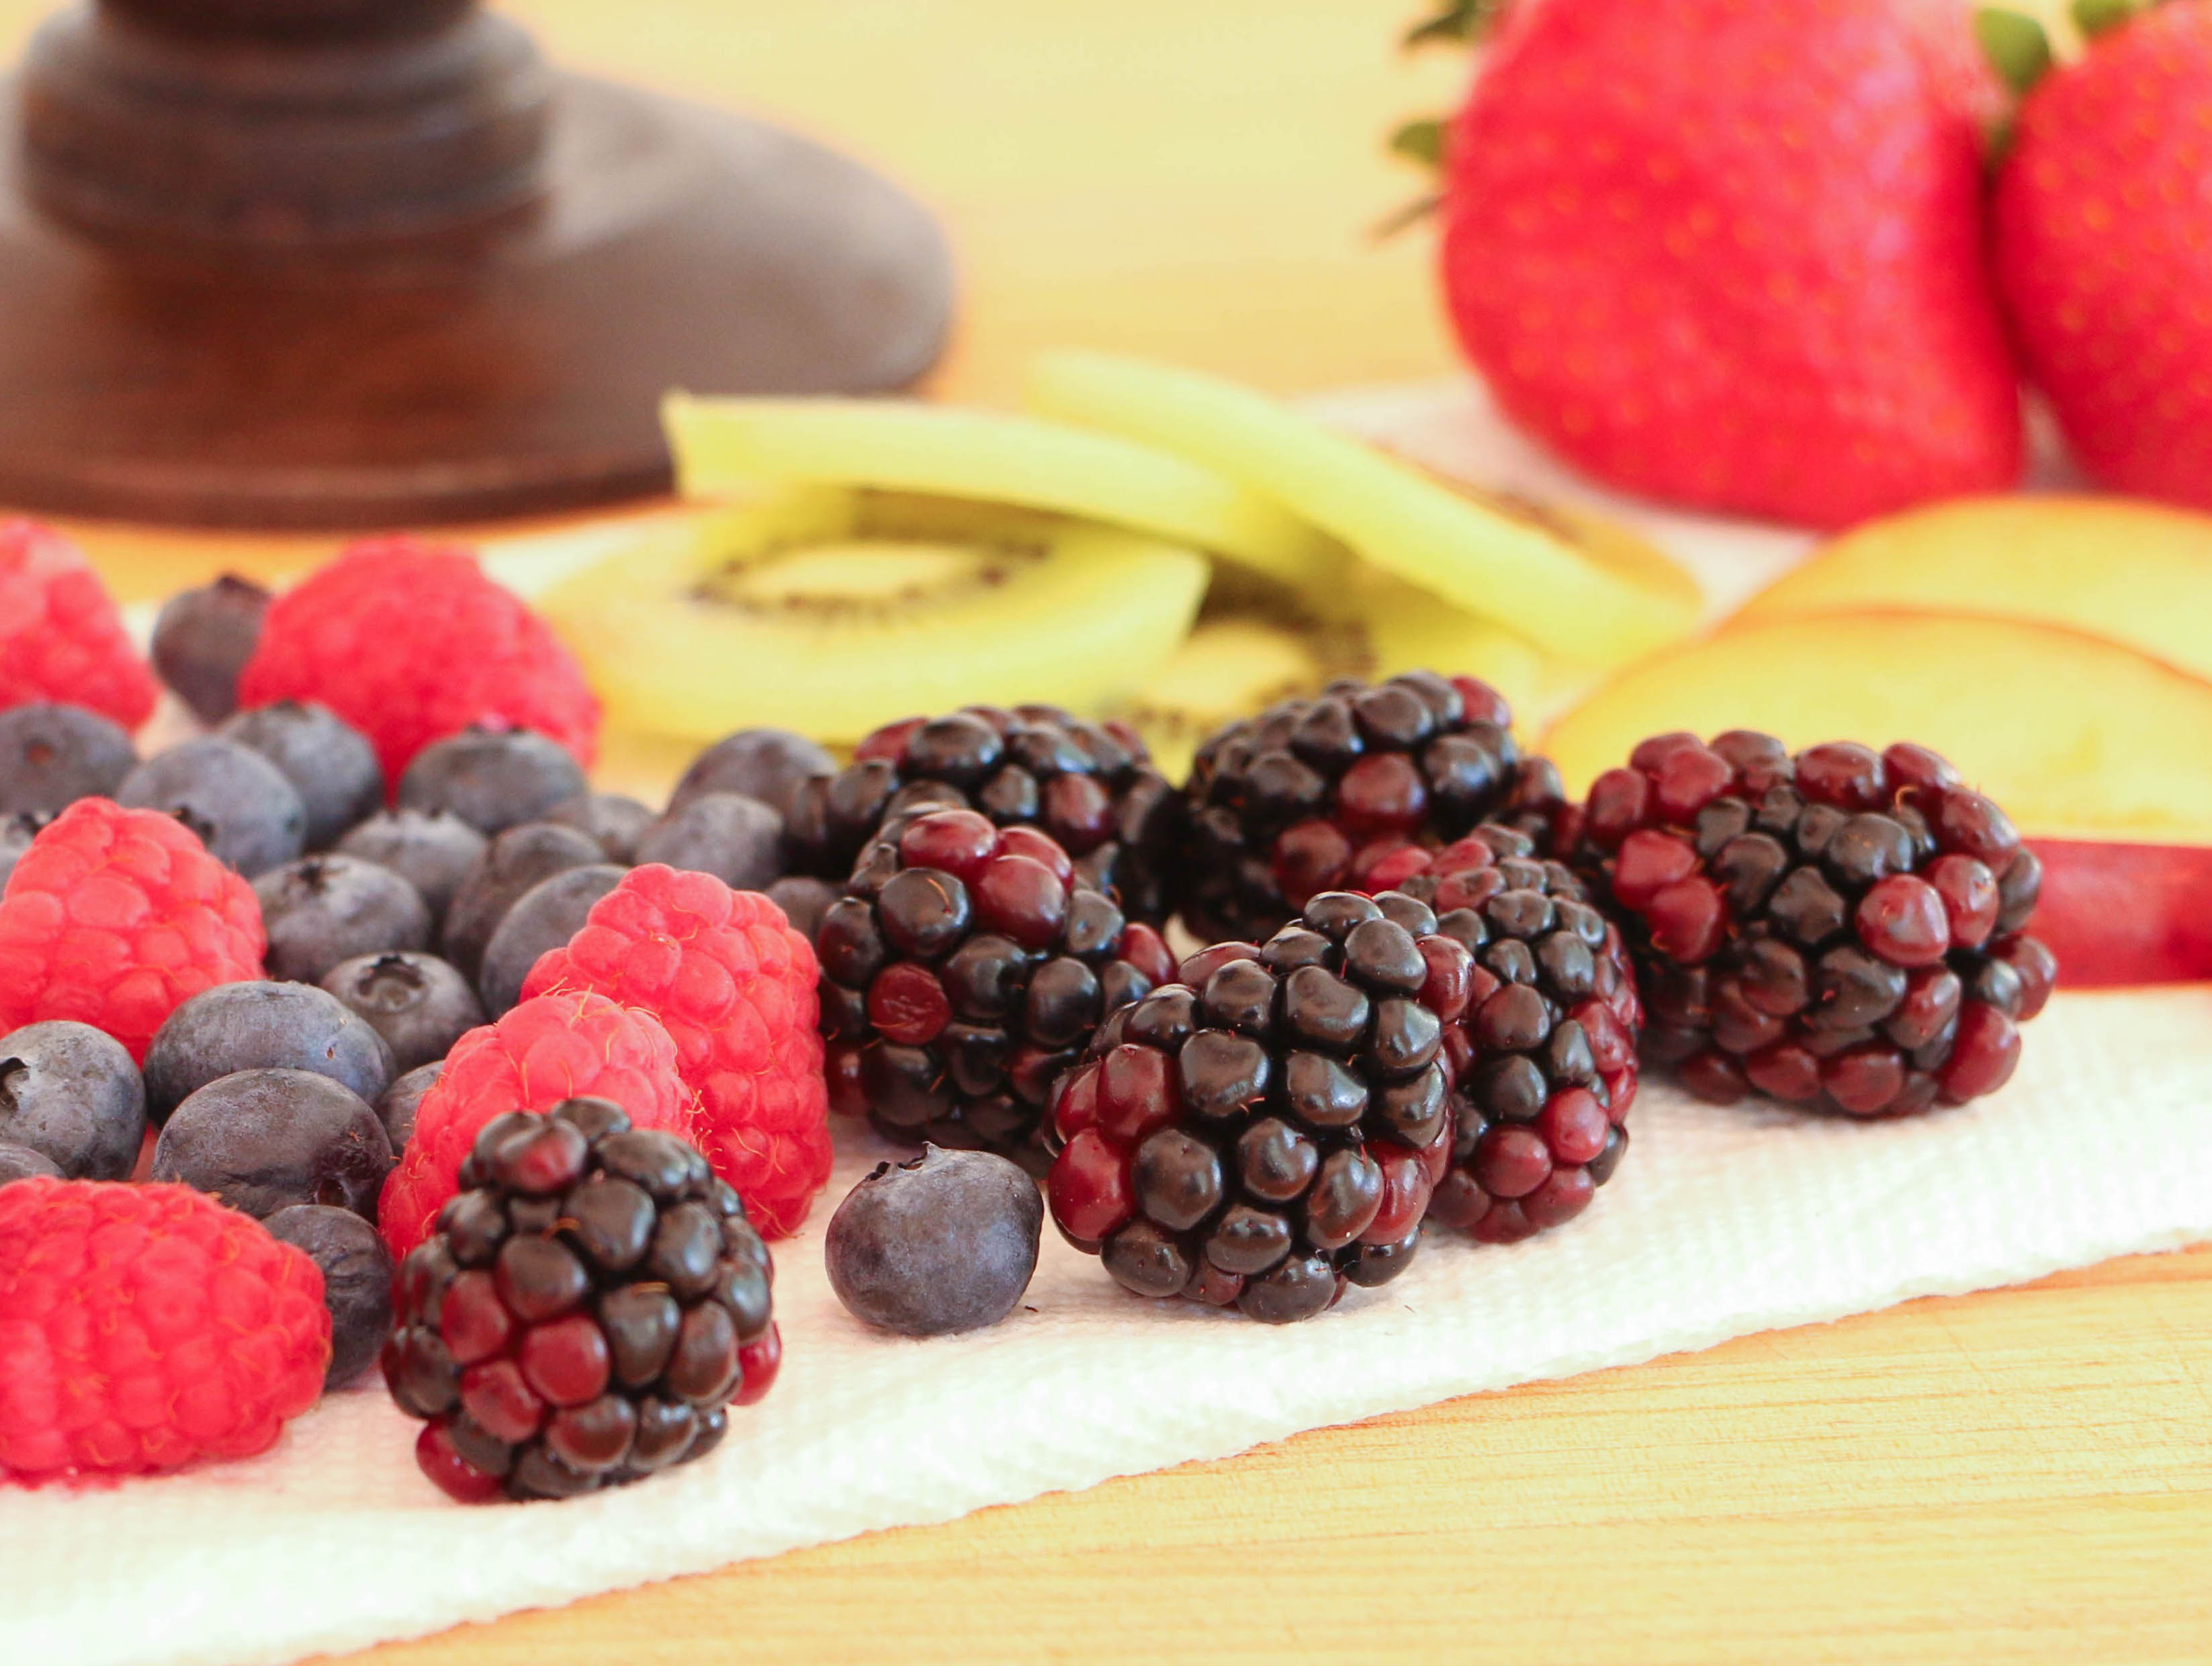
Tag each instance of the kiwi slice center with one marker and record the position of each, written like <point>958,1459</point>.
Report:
<point>857,578</point>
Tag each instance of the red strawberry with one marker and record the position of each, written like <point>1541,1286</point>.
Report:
<point>2103,251</point>
<point>1728,252</point>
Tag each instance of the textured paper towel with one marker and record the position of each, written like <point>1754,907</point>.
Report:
<point>1720,1222</point>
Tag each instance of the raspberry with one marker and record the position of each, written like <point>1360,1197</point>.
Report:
<point>1092,788</point>
<point>1271,1127</point>
<point>545,1050</point>
<point>1842,930</point>
<point>146,1327</point>
<point>1333,793</point>
<point>734,985</point>
<point>115,918</point>
<point>592,1303</point>
<point>409,643</point>
<point>1546,1056</point>
<point>61,635</point>
<point>967,967</point>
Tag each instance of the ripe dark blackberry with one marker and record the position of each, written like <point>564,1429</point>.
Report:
<point>1544,1061</point>
<point>966,968</point>
<point>1844,929</point>
<point>1091,787</point>
<point>1271,1125</point>
<point>1312,794</point>
<point>592,1303</point>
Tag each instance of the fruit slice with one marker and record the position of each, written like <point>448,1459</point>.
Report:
<point>2137,573</point>
<point>1234,663</point>
<point>2074,736</point>
<point>1520,573</point>
<point>2126,913</point>
<point>833,612</point>
<point>726,445</point>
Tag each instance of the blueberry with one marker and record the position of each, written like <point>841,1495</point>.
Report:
<point>946,1242</point>
<point>16,833</point>
<point>419,1004</point>
<point>804,901</point>
<point>262,1026</point>
<point>544,917</point>
<point>202,639</point>
<point>50,756</point>
<point>71,1092</point>
<point>768,764</point>
<point>434,852</point>
<point>492,779</point>
<point>323,909</point>
<point>21,1163</point>
<point>329,761</point>
<point>397,1108</point>
<point>357,1280</point>
<point>617,822</point>
<point>513,864</point>
<point>237,801</point>
<point>737,839</point>
<point>261,1140</point>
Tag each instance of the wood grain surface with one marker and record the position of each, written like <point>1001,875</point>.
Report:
<point>2021,1476</point>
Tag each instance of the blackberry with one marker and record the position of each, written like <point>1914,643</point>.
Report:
<point>1270,1127</point>
<point>51,755</point>
<point>1844,929</point>
<point>965,970</point>
<point>1311,795</point>
<point>1091,787</point>
<point>592,1303</point>
<point>1544,1060</point>
<point>202,639</point>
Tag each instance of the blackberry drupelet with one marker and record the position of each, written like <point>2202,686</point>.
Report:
<point>591,1304</point>
<point>1270,1127</point>
<point>1311,795</point>
<point>1091,787</point>
<point>966,968</point>
<point>1545,1059</point>
<point>1842,930</point>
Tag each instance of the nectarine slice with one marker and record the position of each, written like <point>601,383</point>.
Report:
<point>2138,574</point>
<point>2074,736</point>
<point>2126,913</point>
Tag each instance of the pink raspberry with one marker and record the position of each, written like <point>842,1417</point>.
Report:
<point>410,644</point>
<point>143,1328</point>
<point>116,917</point>
<point>735,985</point>
<point>564,1046</point>
<point>61,635</point>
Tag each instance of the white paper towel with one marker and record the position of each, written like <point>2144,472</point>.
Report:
<point>1720,1222</point>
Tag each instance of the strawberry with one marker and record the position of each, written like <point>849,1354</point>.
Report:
<point>1729,253</point>
<point>2104,250</point>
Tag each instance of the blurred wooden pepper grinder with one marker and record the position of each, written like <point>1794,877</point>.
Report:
<point>332,263</point>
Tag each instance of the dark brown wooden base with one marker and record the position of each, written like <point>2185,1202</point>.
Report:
<point>512,367</point>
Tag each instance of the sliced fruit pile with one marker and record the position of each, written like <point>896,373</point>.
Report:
<point>1151,545</point>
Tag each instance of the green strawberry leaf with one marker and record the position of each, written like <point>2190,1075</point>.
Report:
<point>1455,22</point>
<point>2015,44</point>
<point>2096,17</point>
<point>1420,143</point>
<point>1405,217</point>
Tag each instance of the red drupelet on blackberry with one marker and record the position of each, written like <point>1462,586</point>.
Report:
<point>968,966</point>
<point>592,1303</point>
<point>1312,794</point>
<point>1843,930</point>
<point>1545,1059</point>
<point>1092,787</point>
<point>1270,1127</point>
